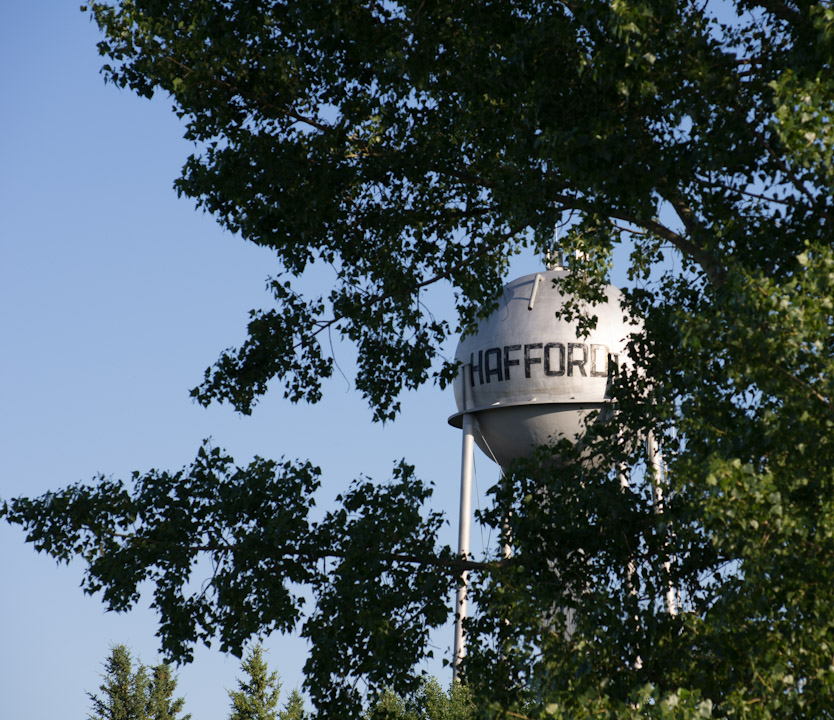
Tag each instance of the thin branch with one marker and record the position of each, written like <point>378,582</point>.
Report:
<point>454,565</point>
<point>684,245</point>
<point>804,385</point>
<point>780,10</point>
<point>622,228</point>
<point>795,181</point>
<point>747,193</point>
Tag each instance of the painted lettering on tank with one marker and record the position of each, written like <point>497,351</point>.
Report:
<point>577,362</point>
<point>530,359</point>
<point>477,367</point>
<point>496,368</point>
<point>508,361</point>
<point>551,359</point>
<point>557,350</point>
<point>599,360</point>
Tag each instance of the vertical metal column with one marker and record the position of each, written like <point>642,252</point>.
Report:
<point>507,548</point>
<point>625,484</point>
<point>467,464</point>
<point>655,468</point>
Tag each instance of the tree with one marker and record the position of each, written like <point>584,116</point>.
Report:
<point>414,143</point>
<point>429,703</point>
<point>257,696</point>
<point>294,707</point>
<point>161,702</point>
<point>124,691</point>
<point>129,694</point>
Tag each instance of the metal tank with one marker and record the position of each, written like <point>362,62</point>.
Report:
<point>526,375</point>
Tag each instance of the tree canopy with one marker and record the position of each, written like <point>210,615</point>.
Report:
<point>128,694</point>
<point>428,703</point>
<point>412,144</point>
<point>257,695</point>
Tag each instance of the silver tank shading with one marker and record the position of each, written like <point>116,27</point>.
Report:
<point>527,376</point>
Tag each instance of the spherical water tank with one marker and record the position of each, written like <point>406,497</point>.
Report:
<point>528,377</point>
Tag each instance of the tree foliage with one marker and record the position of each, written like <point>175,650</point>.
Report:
<point>141,694</point>
<point>430,702</point>
<point>294,707</point>
<point>162,705</point>
<point>412,143</point>
<point>258,693</point>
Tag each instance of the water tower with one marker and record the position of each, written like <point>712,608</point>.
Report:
<point>527,378</point>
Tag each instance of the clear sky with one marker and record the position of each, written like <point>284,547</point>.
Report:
<point>114,297</point>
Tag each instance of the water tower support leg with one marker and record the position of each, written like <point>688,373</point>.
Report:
<point>507,548</point>
<point>623,475</point>
<point>656,470</point>
<point>467,464</point>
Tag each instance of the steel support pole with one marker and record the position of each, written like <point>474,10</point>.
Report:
<point>465,524</point>
<point>655,461</point>
<point>506,548</point>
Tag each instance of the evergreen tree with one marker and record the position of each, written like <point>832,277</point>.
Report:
<point>430,702</point>
<point>141,694</point>
<point>123,691</point>
<point>390,706</point>
<point>257,695</point>
<point>456,704</point>
<point>294,709</point>
<point>161,704</point>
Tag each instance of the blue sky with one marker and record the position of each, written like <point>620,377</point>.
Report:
<point>114,297</point>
